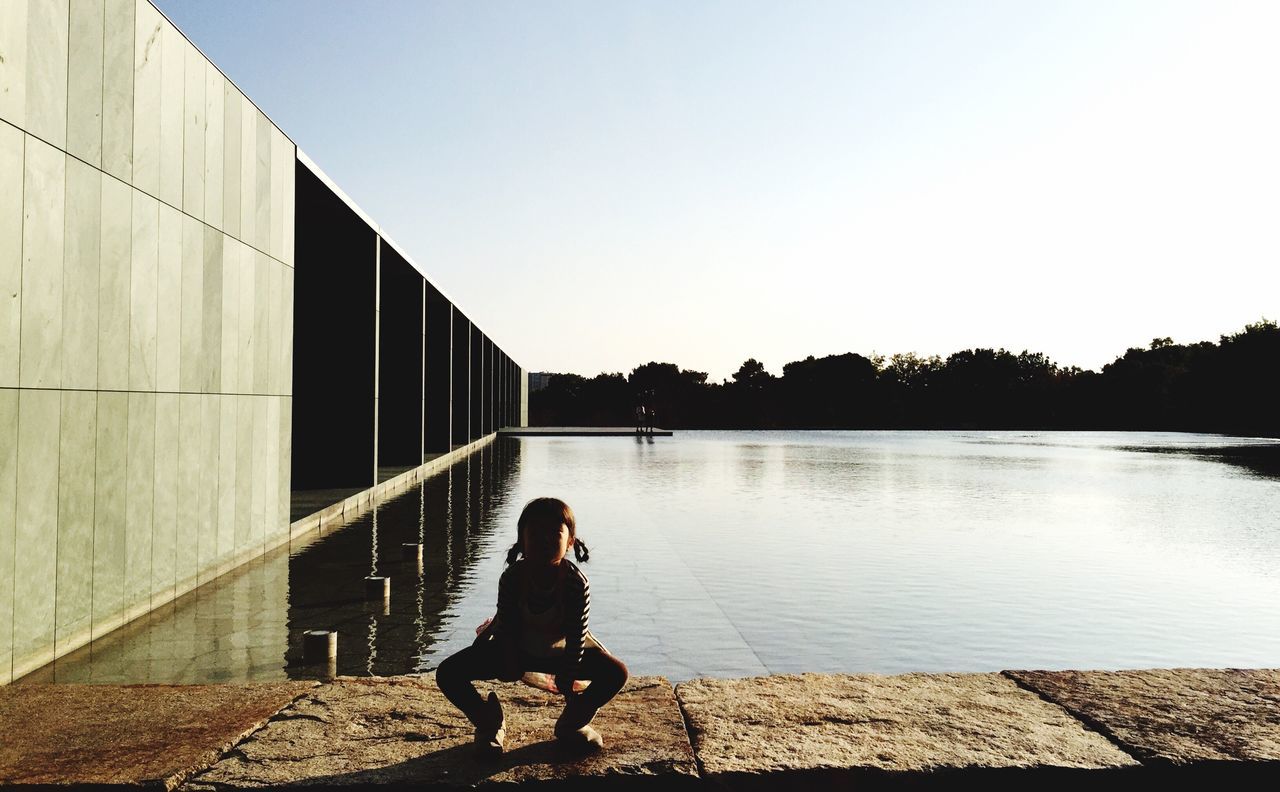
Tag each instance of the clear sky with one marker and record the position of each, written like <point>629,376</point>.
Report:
<point>600,184</point>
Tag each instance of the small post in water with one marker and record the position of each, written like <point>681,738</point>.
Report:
<point>319,646</point>
<point>377,588</point>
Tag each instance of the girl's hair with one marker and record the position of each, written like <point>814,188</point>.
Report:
<point>547,511</point>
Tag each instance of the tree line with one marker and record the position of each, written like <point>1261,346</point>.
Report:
<point>1231,386</point>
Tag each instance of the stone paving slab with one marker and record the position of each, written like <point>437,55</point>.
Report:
<point>150,736</point>
<point>828,731</point>
<point>400,732</point>
<point>1174,716</point>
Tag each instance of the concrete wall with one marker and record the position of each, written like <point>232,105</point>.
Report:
<point>524,397</point>
<point>146,289</point>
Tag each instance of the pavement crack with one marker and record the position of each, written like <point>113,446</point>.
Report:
<point>295,715</point>
<point>1087,721</point>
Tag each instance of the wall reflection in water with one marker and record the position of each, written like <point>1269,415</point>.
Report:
<point>248,624</point>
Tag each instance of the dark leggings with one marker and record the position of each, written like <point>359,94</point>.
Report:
<point>484,660</point>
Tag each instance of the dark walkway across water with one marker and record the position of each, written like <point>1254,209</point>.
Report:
<point>581,431</point>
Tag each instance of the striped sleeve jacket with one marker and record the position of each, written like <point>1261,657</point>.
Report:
<point>575,605</point>
<point>577,611</point>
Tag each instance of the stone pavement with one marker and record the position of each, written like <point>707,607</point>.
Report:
<point>1179,717</point>
<point>401,732</point>
<point>141,735</point>
<point>1104,729</point>
<point>843,730</point>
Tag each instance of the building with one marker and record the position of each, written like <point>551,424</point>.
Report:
<point>196,325</point>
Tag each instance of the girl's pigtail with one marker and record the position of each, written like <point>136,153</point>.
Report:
<point>513,554</point>
<point>580,551</point>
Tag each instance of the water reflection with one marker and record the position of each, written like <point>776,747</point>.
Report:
<point>248,625</point>
<point>1261,459</point>
<point>738,553</point>
<point>448,514</point>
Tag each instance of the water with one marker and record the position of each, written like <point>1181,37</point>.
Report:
<point>739,553</point>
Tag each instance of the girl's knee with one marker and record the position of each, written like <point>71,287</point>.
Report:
<point>617,670</point>
<point>448,672</point>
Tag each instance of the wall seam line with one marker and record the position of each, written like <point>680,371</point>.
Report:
<point>102,92</point>
<point>17,422</point>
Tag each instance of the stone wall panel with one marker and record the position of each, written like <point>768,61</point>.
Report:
<point>85,80</point>
<point>148,67</point>
<point>207,530</point>
<point>211,311</point>
<point>169,316</point>
<point>262,266</point>
<point>8,517</point>
<point>173,55</point>
<point>274,523</point>
<point>144,285</point>
<point>82,241</point>
<point>248,171</point>
<point>139,502</point>
<point>36,523</point>
<point>117,89</point>
<point>43,206</point>
<point>244,474</point>
<point>262,182</point>
<point>192,366</point>
<point>165,510</point>
<point>110,512</point>
<point>213,145</point>
<point>193,131</point>
<point>115,251</point>
<point>13,68</point>
<point>190,437</point>
<point>77,458</point>
<point>226,469</point>
<point>228,354</point>
<point>12,145</point>
<point>232,110</point>
<point>46,70</point>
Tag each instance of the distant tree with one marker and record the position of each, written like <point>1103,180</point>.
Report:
<point>1245,378</point>
<point>837,391</point>
<point>751,374</point>
<point>904,384</point>
<point>607,402</point>
<point>748,401</point>
<point>678,394</point>
<point>560,403</point>
<point>1231,386</point>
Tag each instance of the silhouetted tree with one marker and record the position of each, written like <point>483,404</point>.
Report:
<point>1230,387</point>
<point>748,401</point>
<point>677,393</point>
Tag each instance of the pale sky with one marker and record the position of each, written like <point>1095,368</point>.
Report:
<point>603,184</point>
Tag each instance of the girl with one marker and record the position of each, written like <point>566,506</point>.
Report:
<point>541,625</point>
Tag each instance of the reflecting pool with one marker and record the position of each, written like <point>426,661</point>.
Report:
<point>737,553</point>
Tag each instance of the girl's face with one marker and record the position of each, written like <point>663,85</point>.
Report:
<point>547,544</point>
